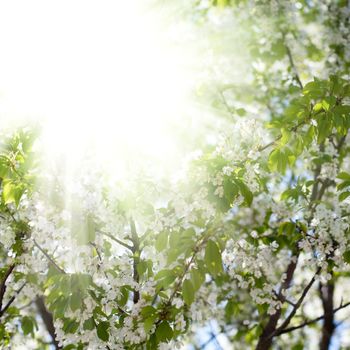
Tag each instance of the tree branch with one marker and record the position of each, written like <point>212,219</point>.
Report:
<point>265,340</point>
<point>292,64</point>
<point>51,260</point>
<point>306,323</point>
<point>47,319</point>
<point>12,299</point>
<point>3,283</point>
<point>225,103</point>
<point>136,258</point>
<point>328,327</point>
<point>297,304</point>
<point>117,240</point>
<point>293,129</point>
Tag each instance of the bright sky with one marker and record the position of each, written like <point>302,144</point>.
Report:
<point>100,70</point>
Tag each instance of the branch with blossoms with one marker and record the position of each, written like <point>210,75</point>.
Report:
<point>271,330</point>
<point>136,252</point>
<point>49,258</point>
<point>6,275</point>
<point>296,306</point>
<point>226,240</point>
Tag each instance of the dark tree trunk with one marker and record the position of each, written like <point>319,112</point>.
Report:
<point>328,327</point>
<point>265,340</point>
<point>47,319</point>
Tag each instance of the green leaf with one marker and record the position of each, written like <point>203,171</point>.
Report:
<point>293,193</point>
<point>290,156</point>
<point>70,326</point>
<point>149,322</point>
<point>325,105</point>
<point>188,292</point>
<point>324,127</point>
<point>12,192</point>
<point>142,267</point>
<point>299,145</point>
<point>89,324</point>
<point>212,258</point>
<point>285,137</point>
<point>161,241</point>
<point>318,107</point>
<point>287,227</point>
<point>309,136</point>
<point>27,325</point>
<point>230,193</point>
<point>231,309</point>
<point>343,185</point>
<point>148,311</point>
<point>346,256</point>
<point>69,347</point>
<point>277,161</point>
<point>295,110</point>
<point>197,279</point>
<point>164,332</point>
<point>241,112</point>
<point>163,274</point>
<point>165,278</point>
<point>152,343</point>
<point>344,195</point>
<point>102,330</point>
<point>123,299</point>
<point>90,228</point>
<point>245,192</point>
<point>75,301</point>
<point>58,305</point>
<point>343,176</point>
<point>4,167</point>
<point>316,89</point>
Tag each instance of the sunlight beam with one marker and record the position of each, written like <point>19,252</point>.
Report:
<point>99,75</point>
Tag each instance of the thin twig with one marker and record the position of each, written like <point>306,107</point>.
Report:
<point>225,103</point>
<point>51,260</point>
<point>297,304</point>
<point>295,71</point>
<point>12,299</point>
<point>98,253</point>
<point>286,300</point>
<point>117,240</point>
<point>306,323</point>
<point>293,129</point>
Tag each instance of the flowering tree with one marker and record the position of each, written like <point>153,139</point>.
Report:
<point>253,233</point>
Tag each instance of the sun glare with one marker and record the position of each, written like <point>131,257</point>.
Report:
<point>98,76</point>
